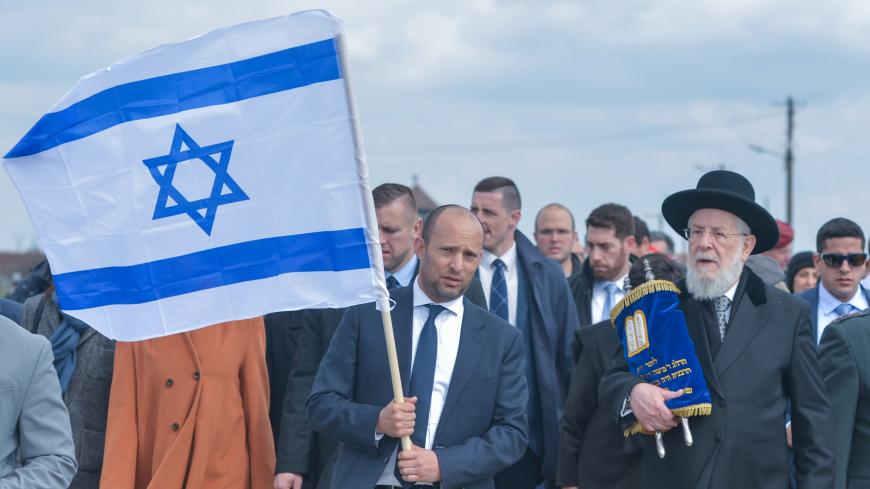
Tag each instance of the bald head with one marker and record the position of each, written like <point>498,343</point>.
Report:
<point>555,235</point>
<point>451,212</point>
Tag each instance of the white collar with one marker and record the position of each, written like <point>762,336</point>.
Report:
<point>421,299</point>
<point>730,292</point>
<point>509,258</point>
<point>827,302</point>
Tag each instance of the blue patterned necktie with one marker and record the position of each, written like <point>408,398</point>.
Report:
<point>423,375</point>
<point>844,308</point>
<point>609,300</point>
<point>498,295</point>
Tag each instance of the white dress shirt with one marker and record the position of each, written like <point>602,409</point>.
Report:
<point>599,297</point>
<point>827,304</point>
<point>487,269</point>
<point>448,326</point>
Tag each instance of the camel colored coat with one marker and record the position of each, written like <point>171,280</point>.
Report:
<point>191,410</point>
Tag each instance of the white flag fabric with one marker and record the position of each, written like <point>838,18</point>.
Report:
<point>214,179</point>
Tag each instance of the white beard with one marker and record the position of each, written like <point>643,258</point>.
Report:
<point>703,288</point>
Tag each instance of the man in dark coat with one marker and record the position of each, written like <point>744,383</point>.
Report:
<point>844,357</point>
<point>609,243</point>
<point>841,263</point>
<point>530,292</point>
<point>593,453</point>
<point>303,456</point>
<point>461,370</point>
<point>756,351</point>
<point>282,341</point>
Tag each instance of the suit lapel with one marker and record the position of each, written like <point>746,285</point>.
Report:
<point>698,331</point>
<point>526,262</point>
<point>814,316</point>
<point>751,315</point>
<point>470,348</point>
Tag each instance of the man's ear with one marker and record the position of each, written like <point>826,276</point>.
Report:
<point>418,228</point>
<point>630,242</point>
<point>515,216</point>
<point>817,262</point>
<point>419,246</point>
<point>748,246</point>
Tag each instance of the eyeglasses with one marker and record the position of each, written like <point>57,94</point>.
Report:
<point>697,233</point>
<point>835,260</point>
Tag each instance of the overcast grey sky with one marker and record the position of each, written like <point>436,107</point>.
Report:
<point>579,102</point>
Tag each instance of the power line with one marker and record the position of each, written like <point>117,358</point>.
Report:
<point>577,140</point>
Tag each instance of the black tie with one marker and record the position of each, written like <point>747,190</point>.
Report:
<point>392,283</point>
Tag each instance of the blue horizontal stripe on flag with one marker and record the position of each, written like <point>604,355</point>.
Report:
<point>163,95</point>
<point>324,251</point>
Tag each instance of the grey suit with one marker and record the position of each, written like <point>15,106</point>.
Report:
<point>36,447</point>
<point>87,397</point>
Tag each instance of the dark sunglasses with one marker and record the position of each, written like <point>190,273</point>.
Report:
<point>835,260</point>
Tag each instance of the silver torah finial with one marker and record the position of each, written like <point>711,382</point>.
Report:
<point>626,285</point>
<point>647,271</point>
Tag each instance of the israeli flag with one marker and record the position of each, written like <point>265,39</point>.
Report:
<point>215,179</point>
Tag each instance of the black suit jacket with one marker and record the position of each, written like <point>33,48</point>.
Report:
<point>553,320</point>
<point>767,358</point>
<point>282,336</point>
<point>299,448</point>
<point>593,453</point>
<point>844,357</point>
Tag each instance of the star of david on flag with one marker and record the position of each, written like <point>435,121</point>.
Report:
<point>170,201</point>
<point>147,227</point>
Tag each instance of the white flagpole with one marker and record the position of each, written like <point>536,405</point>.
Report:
<point>383,299</point>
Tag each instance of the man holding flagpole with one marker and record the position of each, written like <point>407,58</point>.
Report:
<point>462,370</point>
<point>756,351</point>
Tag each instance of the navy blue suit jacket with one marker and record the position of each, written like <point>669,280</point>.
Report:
<point>812,297</point>
<point>552,323</point>
<point>483,427</point>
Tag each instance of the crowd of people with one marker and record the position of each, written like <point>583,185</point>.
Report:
<point>512,373</point>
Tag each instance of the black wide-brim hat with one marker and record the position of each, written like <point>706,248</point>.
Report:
<point>727,191</point>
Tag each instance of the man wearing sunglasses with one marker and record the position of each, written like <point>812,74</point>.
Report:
<point>840,260</point>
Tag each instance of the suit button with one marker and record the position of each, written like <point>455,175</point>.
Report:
<point>169,382</point>
<point>196,376</point>
<point>718,436</point>
<point>175,426</point>
<point>721,403</point>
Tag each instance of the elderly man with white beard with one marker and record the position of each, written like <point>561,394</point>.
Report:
<point>756,349</point>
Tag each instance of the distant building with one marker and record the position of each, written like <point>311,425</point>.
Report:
<point>425,203</point>
<point>14,267</point>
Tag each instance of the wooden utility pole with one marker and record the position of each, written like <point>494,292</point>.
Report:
<point>789,161</point>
